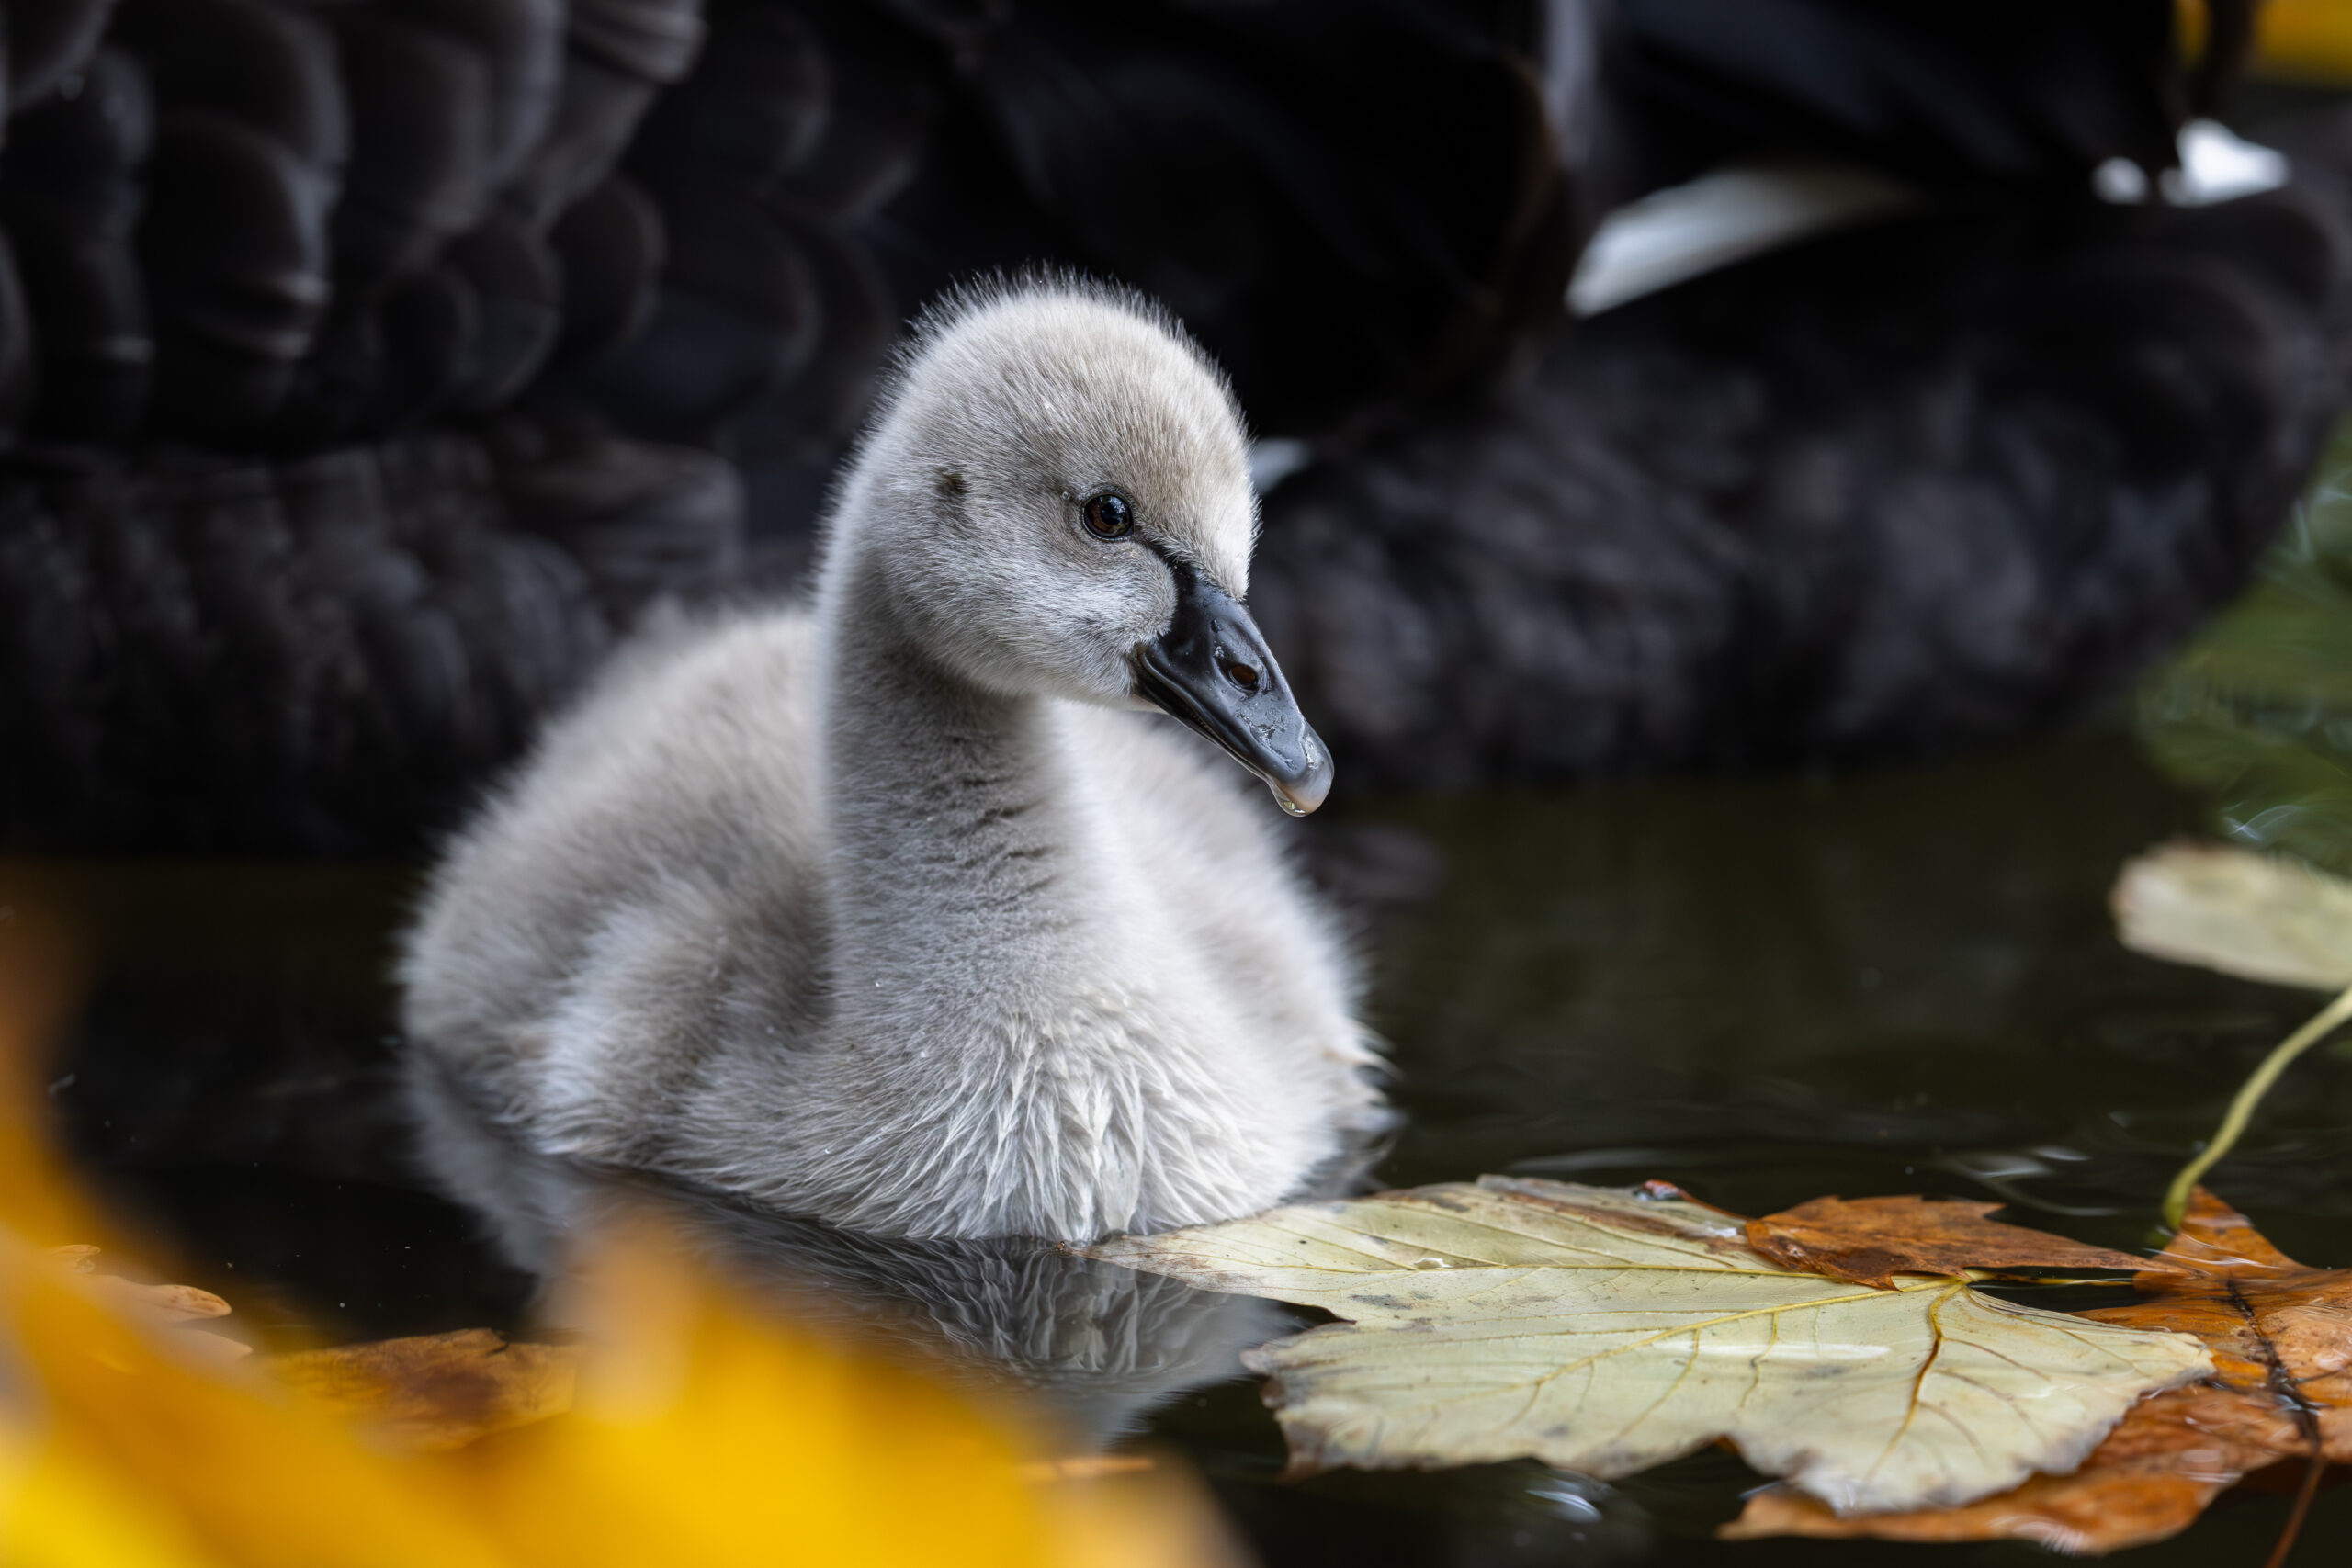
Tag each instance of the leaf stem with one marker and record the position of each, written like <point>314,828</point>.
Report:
<point>2301,1511</point>
<point>2250,1096</point>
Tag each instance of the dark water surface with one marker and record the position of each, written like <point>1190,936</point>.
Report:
<point>1763,989</point>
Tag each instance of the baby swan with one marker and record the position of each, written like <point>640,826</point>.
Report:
<point>896,910</point>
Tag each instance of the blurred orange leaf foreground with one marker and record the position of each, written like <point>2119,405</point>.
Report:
<point>2308,39</point>
<point>702,1432</point>
<point>2281,1338</point>
<point>443,1391</point>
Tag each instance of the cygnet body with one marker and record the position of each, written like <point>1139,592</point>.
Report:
<point>894,909</point>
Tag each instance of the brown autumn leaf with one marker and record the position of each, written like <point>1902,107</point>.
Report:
<point>2281,1338</point>
<point>172,1306</point>
<point>1870,1240</point>
<point>437,1391</point>
<point>173,1303</point>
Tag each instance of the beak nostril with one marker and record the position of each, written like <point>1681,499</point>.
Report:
<point>1212,671</point>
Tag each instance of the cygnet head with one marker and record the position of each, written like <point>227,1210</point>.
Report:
<point>1055,501</point>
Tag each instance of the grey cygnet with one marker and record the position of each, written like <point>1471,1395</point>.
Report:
<point>896,910</point>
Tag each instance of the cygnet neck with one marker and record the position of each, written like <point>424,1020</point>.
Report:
<point>971,863</point>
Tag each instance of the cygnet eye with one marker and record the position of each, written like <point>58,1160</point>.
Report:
<point>1108,515</point>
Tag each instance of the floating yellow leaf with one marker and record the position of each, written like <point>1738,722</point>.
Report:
<point>2299,40</point>
<point>1606,1332</point>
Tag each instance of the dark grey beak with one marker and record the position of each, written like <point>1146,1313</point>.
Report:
<point>1211,669</point>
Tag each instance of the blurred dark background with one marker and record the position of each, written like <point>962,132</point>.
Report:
<point>368,366</point>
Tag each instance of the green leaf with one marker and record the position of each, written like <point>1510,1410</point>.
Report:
<point>2258,713</point>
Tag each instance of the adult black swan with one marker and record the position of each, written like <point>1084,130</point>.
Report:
<point>368,366</point>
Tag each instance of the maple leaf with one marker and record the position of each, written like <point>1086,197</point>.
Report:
<point>1609,1331</point>
<point>2280,1336</point>
<point>1870,1240</point>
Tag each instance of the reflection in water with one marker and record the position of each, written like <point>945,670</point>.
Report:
<point>1101,1345</point>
